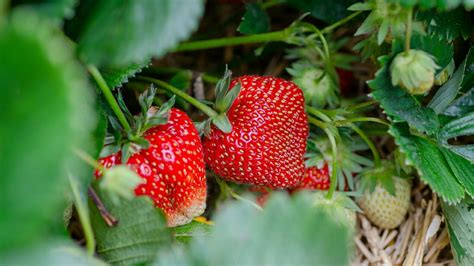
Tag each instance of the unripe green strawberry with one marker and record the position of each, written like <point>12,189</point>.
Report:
<point>383,209</point>
<point>414,71</point>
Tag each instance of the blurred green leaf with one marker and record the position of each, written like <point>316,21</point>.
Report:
<point>119,33</point>
<point>50,252</point>
<point>138,236</point>
<point>289,231</point>
<point>55,10</point>
<point>439,4</point>
<point>327,11</point>
<point>187,232</point>
<point>462,105</point>
<point>46,110</point>
<point>460,219</point>
<point>255,20</point>
<point>430,162</point>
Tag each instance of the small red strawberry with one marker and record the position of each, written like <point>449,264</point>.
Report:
<point>172,167</point>
<point>267,140</point>
<point>315,178</point>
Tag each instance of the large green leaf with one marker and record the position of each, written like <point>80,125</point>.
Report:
<point>56,10</point>
<point>327,11</point>
<point>50,252</point>
<point>448,92</point>
<point>448,25</point>
<point>255,20</point>
<point>138,236</point>
<point>289,231</point>
<point>45,110</point>
<point>463,126</point>
<point>460,219</point>
<point>439,4</point>
<point>119,33</point>
<point>462,105</point>
<point>430,163</point>
<point>462,169</point>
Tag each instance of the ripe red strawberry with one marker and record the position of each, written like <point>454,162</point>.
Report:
<point>315,178</point>
<point>172,168</point>
<point>267,141</point>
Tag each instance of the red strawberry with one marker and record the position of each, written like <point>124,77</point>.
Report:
<point>346,80</point>
<point>315,178</point>
<point>268,138</point>
<point>172,167</point>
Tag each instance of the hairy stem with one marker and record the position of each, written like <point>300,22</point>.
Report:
<point>108,218</point>
<point>371,145</point>
<point>84,218</point>
<point>340,22</point>
<point>199,105</point>
<point>109,97</point>
<point>408,30</point>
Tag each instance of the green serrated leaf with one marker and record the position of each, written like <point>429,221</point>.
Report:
<point>430,163</point>
<point>255,20</point>
<point>46,109</point>
<point>447,93</point>
<point>447,25</point>
<point>463,126</point>
<point>462,169</point>
<point>462,105</point>
<point>140,233</point>
<point>148,29</point>
<point>266,237</point>
<point>222,123</point>
<point>327,11</point>
<point>116,76</point>
<point>460,219</point>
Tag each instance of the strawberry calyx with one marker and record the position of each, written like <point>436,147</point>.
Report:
<point>132,141</point>
<point>382,175</point>
<point>225,97</point>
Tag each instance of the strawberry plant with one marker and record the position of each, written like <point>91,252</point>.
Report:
<point>216,132</point>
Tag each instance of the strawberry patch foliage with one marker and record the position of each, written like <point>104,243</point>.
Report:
<point>120,144</point>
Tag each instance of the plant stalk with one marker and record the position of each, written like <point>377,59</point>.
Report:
<point>408,30</point>
<point>109,97</point>
<point>108,218</point>
<point>199,105</point>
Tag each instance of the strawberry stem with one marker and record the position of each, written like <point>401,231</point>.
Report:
<point>108,218</point>
<point>232,41</point>
<point>408,30</point>
<point>199,105</point>
<point>282,35</point>
<point>84,218</point>
<point>109,97</point>
<point>224,187</point>
<point>371,145</point>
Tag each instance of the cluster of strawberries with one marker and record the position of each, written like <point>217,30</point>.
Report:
<point>265,147</point>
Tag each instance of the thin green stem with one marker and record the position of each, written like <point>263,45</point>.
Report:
<point>333,177</point>
<point>83,212</point>
<point>408,30</point>
<point>340,22</point>
<point>232,41</point>
<point>317,123</point>
<point>87,158</point>
<point>271,3</point>
<point>281,35</point>
<point>109,97</point>
<point>201,106</point>
<point>371,145</point>
<point>360,119</point>
<point>223,185</point>
<point>318,113</point>
<point>361,105</point>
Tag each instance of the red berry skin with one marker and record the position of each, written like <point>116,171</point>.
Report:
<point>315,178</point>
<point>346,81</point>
<point>172,167</point>
<point>268,138</point>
